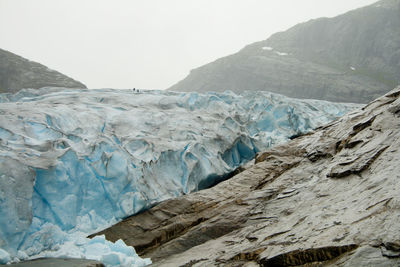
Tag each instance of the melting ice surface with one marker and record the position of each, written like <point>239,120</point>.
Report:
<point>73,162</point>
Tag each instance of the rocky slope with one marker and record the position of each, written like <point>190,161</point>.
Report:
<point>327,198</point>
<point>353,57</point>
<point>17,72</point>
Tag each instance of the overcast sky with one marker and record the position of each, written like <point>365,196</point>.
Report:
<point>146,43</point>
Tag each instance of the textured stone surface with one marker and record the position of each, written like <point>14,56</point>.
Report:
<point>330,198</point>
<point>17,72</point>
<point>354,57</point>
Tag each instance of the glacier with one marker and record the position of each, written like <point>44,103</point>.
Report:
<point>73,162</point>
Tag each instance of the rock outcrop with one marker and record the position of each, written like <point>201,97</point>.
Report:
<point>17,73</point>
<point>329,198</point>
<point>353,57</point>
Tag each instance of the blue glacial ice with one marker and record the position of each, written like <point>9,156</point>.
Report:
<point>73,162</point>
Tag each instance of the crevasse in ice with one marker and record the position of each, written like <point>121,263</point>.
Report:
<point>76,161</point>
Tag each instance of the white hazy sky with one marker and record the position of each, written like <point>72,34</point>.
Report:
<point>146,43</point>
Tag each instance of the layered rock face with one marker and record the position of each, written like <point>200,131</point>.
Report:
<point>327,198</point>
<point>17,73</point>
<point>354,57</point>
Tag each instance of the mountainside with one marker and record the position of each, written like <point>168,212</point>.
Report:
<point>330,198</point>
<point>353,57</point>
<point>17,73</point>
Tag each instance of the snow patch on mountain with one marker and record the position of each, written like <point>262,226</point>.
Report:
<point>268,48</point>
<point>281,53</point>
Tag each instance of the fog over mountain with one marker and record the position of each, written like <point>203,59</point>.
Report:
<point>146,44</point>
<point>354,57</point>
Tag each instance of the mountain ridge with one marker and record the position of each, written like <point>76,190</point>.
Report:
<point>353,57</point>
<point>17,72</point>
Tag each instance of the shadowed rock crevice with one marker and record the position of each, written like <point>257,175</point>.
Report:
<point>171,232</point>
<point>391,249</point>
<point>192,263</point>
<point>312,255</point>
<point>249,256</point>
<point>357,165</point>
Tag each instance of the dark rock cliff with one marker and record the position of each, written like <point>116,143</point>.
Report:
<point>354,57</point>
<point>17,73</point>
